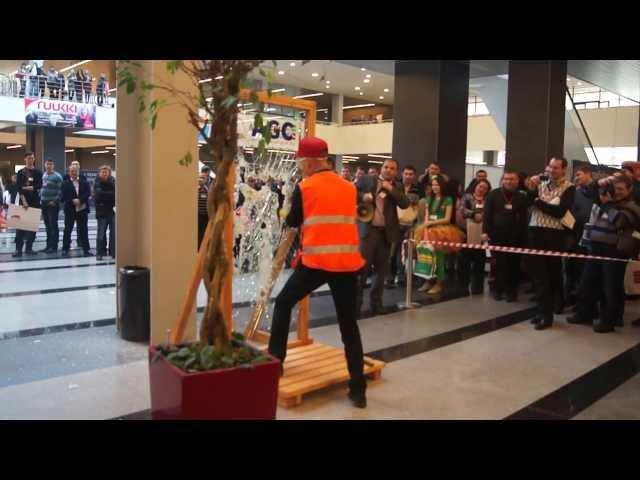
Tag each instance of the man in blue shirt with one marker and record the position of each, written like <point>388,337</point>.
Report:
<point>50,196</point>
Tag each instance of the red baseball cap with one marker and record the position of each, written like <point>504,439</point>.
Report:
<point>312,147</point>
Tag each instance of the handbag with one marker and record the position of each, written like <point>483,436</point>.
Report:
<point>426,262</point>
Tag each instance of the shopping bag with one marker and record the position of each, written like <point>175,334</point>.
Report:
<point>632,279</point>
<point>22,218</point>
<point>426,261</point>
<point>3,219</point>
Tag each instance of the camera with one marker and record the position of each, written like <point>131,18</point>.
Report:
<point>544,177</point>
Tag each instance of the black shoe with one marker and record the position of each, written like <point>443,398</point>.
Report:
<point>65,253</point>
<point>99,258</point>
<point>543,325</point>
<point>359,400</point>
<point>574,319</point>
<point>88,254</point>
<point>511,297</point>
<point>559,309</point>
<point>536,320</point>
<point>16,254</point>
<point>478,291</point>
<point>497,296</point>
<point>603,327</point>
<point>378,310</point>
<point>30,252</point>
<point>44,250</point>
<point>619,323</point>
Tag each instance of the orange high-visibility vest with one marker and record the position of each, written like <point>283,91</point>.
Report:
<point>330,239</point>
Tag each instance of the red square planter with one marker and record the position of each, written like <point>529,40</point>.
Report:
<point>233,393</point>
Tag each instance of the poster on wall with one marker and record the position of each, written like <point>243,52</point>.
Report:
<point>57,113</point>
<point>285,132</point>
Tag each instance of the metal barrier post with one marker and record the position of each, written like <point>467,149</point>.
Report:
<point>408,304</point>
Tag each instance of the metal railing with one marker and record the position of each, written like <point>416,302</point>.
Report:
<point>58,88</point>
<point>408,246</point>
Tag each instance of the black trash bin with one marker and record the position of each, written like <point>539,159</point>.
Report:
<point>134,321</point>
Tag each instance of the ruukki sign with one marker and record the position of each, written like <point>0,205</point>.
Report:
<point>56,113</point>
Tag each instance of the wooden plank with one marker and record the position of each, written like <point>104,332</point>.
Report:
<point>303,319</point>
<point>309,371</point>
<point>306,351</point>
<point>293,367</point>
<point>317,383</point>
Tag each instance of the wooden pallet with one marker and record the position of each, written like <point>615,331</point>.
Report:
<point>312,367</point>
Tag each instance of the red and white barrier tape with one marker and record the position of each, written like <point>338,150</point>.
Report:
<point>524,251</point>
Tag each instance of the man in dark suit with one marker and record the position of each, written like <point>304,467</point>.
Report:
<point>384,195</point>
<point>75,197</point>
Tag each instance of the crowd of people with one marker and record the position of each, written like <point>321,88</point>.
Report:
<point>75,86</point>
<point>545,212</point>
<point>51,191</point>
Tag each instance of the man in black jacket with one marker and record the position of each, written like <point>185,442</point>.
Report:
<point>29,182</point>
<point>75,197</point>
<point>505,224</point>
<point>383,196</point>
<point>104,196</point>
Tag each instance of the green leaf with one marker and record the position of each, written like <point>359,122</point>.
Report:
<point>187,159</point>
<point>183,353</point>
<point>258,121</point>
<point>262,72</point>
<point>229,102</point>
<point>190,363</point>
<point>154,119</point>
<point>253,96</point>
<point>173,65</point>
<point>141,104</point>
<point>260,359</point>
<point>237,336</point>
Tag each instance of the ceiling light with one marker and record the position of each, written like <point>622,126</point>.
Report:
<point>309,95</point>
<point>113,89</point>
<point>69,151</point>
<point>363,69</point>
<point>281,72</point>
<point>315,74</point>
<point>386,90</point>
<point>292,64</point>
<point>361,93</point>
<point>99,151</point>
<point>351,157</point>
<point>279,90</point>
<point>579,83</point>
<point>375,161</point>
<point>368,75</point>
<point>11,147</point>
<point>328,81</point>
<point>74,66</point>
<point>328,86</point>
<point>250,110</point>
<point>359,106</point>
<point>110,148</point>
<point>381,97</point>
<point>322,110</point>
<point>357,88</point>
<point>379,156</point>
<point>205,80</point>
<point>366,80</point>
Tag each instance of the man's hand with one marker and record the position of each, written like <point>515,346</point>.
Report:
<point>606,198</point>
<point>386,185</point>
<point>485,238</point>
<point>76,201</point>
<point>367,197</point>
<point>52,204</point>
<point>534,182</point>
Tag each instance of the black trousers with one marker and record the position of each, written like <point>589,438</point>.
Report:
<point>474,261</point>
<point>301,283</point>
<point>50,217</point>
<point>395,263</point>
<point>602,283</point>
<point>81,219</point>
<point>547,271</point>
<point>104,222</point>
<point>507,271</point>
<point>23,236</point>
<point>376,251</point>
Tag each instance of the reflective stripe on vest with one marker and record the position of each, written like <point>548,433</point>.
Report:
<point>329,249</point>
<point>329,220</point>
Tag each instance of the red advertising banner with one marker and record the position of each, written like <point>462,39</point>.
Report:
<point>57,113</point>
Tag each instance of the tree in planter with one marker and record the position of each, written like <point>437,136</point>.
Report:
<point>218,84</point>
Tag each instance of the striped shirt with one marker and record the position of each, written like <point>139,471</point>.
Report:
<point>51,187</point>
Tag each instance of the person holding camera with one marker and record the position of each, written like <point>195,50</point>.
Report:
<point>611,232</point>
<point>551,196</point>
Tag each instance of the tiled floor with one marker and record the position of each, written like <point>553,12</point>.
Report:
<point>464,358</point>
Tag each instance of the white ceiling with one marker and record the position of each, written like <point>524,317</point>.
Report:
<point>343,79</point>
